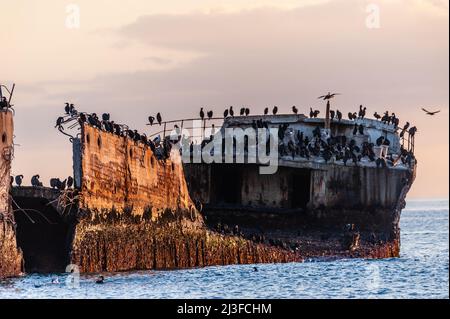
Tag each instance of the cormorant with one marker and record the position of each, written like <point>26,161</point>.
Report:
<point>247,111</point>
<point>151,119</point>
<point>63,185</point>
<point>231,111</point>
<point>225,113</point>
<point>210,114</point>
<point>35,181</point>
<point>361,129</point>
<point>242,111</point>
<point>69,182</point>
<point>67,108</point>
<point>412,131</point>
<point>332,114</point>
<point>92,119</point>
<point>82,118</point>
<point>72,109</point>
<point>380,141</point>
<point>328,96</point>
<point>362,112</point>
<point>159,118</point>
<point>430,113</point>
<point>393,119</point>
<point>59,121</point>
<point>202,113</point>
<point>275,110</point>
<point>105,117</point>
<point>266,111</point>
<point>311,112</point>
<point>295,110</point>
<point>386,118</point>
<point>19,179</point>
<point>339,115</point>
<point>55,183</point>
<point>376,115</point>
<point>405,127</point>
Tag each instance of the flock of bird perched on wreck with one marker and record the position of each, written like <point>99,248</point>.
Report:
<point>340,147</point>
<point>55,183</point>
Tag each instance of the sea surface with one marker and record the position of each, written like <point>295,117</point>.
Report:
<point>421,272</point>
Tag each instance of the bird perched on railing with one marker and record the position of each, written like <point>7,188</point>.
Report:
<point>159,118</point>
<point>210,114</point>
<point>247,111</point>
<point>59,122</point>
<point>67,108</point>
<point>202,113</point>
<point>339,115</point>
<point>328,96</point>
<point>405,127</point>
<point>231,111</point>
<point>242,111</point>
<point>412,131</point>
<point>70,109</point>
<point>294,110</point>
<point>151,119</point>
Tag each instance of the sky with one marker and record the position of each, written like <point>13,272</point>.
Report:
<point>138,57</point>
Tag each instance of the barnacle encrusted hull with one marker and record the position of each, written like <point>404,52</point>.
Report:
<point>135,212</point>
<point>126,244</point>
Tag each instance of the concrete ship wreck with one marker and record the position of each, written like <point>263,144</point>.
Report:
<point>134,208</point>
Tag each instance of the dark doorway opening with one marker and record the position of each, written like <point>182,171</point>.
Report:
<point>227,184</point>
<point>41,234</point>
<point>301,188</point>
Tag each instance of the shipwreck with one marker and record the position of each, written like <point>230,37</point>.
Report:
<point>135,204</point>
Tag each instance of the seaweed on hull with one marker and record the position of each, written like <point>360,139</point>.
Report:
<point>175,240</point>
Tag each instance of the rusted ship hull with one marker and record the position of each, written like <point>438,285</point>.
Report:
<point>128,211</point>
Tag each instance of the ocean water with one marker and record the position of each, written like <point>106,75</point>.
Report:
<point>421,272</point>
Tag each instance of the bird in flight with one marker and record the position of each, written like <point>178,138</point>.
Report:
<point>430,113</point>
<point>328,96</point>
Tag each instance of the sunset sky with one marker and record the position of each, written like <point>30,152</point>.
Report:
<point>137,57</point>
